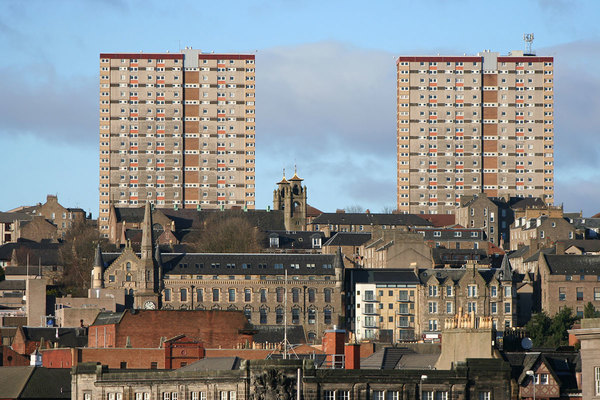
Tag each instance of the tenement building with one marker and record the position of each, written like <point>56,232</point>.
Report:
<point>305,289</point>
<point>177,130</point>
<point>473,124</point>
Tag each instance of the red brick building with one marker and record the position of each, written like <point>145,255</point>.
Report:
<point>151,328</point>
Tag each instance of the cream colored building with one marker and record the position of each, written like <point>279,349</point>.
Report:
<point>473,124</point>
<point>176,129</point>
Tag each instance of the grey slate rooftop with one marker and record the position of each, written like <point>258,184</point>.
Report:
<point>573,264</point>
<point>370,219</point>
<point>348,239</point>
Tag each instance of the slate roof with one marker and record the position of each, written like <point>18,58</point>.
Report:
<point>573,264</point>
<point>108,318</point>
<point>348,239</point>
<point>450,234</point>
<point>585,245</point>
<point>10,284</point>
<point>370,219</point>
<point>14,216</point>
<point>535,256</point>
<point>214,364</point>
<point>67,337</point>
<point>399,358</point>
<point>526,202</point>
<point>382,275</point>
<point>439,220</point>
<point>519,253</point>
<point>233,263</point>
<point>275,334</point>
<point>48,383</point>
<point>294,239</point>
<point>45,251</point>
<point>13,381</point>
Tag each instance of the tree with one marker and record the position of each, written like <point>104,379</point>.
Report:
<point>224,233</point>
<point>388,209</point>
<point>589,311</point>
<point>550,332</point>
<point>356,208</point>
<point>77,253</point>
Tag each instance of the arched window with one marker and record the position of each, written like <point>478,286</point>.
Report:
<point>128,266</point>
<point>279,315</point>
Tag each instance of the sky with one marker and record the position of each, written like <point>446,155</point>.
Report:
<point>325,83</point>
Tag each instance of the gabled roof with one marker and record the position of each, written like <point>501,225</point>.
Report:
<point>439,220</point>
<point>294,239</point>
<point>519,253</point>
<point>585,245</point>
<point>45,252</point>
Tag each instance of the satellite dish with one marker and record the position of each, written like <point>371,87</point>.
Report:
<point>526,343</point>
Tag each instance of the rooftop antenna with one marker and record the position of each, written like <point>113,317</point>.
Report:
<point>528,39</point>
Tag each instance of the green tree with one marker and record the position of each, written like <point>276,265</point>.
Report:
<point>589,311</point>
<point>550,332</point>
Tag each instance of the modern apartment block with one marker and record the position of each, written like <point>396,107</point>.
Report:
<point>474,124</point>
<point>176,129</point>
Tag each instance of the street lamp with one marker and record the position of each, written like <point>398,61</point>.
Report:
<point>532,375</point>
<point>423,378</point>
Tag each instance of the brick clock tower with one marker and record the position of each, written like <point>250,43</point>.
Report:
<point>290,196</point>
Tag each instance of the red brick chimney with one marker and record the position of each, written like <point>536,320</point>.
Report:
<point>352,355</point>
<point>333,346</point>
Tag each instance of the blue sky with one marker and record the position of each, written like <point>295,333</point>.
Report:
<point>325,85</point>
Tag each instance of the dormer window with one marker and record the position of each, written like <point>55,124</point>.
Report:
<point>274,241</point>
<point>316,242</point>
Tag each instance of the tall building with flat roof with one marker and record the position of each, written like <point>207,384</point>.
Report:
<point>176,129</point>
<point>473,124</point>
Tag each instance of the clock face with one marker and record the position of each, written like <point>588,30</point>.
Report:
<point>149,305</point>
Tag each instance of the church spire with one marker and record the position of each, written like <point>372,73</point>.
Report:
<point>146,249</point>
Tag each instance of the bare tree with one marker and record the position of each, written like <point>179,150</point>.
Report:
<point>227,234</point>
<point>356,208</point>
<point>388,210</point>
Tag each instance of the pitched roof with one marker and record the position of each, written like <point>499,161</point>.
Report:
<point>348,239</point>
<point>16,284</point>
<point>13,381</point>
<point>526,202</point>
<point>439,220</point>
<point>370,219</point>
<point>585,245</point>
<point>573,264</point>
<point>294,239</point>
<point>108,318</point>
<point>275,334</point>
<point>382,275</point>
<point>45,252</point>
<point>214,364</point>
<point>48,383</point>
<point>66,337</point>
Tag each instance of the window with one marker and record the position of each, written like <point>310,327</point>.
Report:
<point>433,291</point>
<point>183,294</point>
<point>378,395</point>
<point>597,380</point>
<point>472,291</point>
<point>295,295</point>
<point>280,293</point>
<point>562,294</point>
<point>263,316</point>
<point>433,325</point>
<point>568,278</point>
<point>507,308</point>
<point>449,307</point>
<point>472,307</point>
<point>433,307</point>
<point>231,295</point>
<point>449,291</point>
<point>596,294</point>
<point>295,316</point>
<point>200,295</point>
<point>485,396</point>
<point>327,316</point>
<point>579,294</point>
<point>311,316</point>
<point>494,291</point>
<point>215,295</point>
<point>263,295</point>
<point>494,308</point>
<point>508,291</point>
<point>327,295</point>
<point>167,295</point>
<point>279,316</point>
<point>311,295</point>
